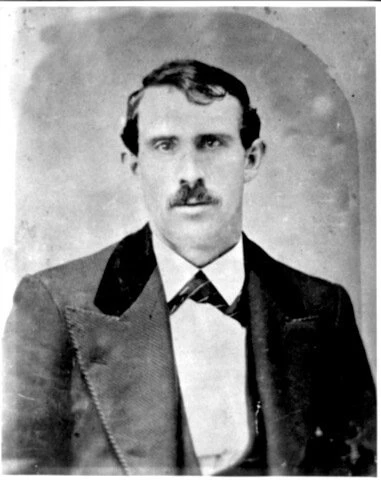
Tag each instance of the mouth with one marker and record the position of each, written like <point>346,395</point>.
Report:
<point>195,203</point>
<point>194,208</point>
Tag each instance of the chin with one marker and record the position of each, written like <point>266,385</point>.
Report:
<point>204,236</point>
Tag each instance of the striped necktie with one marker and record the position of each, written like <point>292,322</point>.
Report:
<point>201,290</point>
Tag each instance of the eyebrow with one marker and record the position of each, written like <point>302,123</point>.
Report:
<point>153,140</point>
<point>224,136</point>
<point>158,138</point>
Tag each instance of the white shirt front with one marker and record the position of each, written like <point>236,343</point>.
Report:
<point>210,354</point>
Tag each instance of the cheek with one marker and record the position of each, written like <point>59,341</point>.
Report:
<point>155,187</point>
<point>229,180</point>
<point>149,174</point>
<point>228,166</point>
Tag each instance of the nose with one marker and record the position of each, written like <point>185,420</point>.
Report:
<point>190,168</point>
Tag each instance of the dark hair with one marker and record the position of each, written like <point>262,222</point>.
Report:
<point>202,84</point>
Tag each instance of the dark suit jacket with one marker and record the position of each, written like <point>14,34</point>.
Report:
<point>90,380</point>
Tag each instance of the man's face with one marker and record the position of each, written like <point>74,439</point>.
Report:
<point>192,168</point>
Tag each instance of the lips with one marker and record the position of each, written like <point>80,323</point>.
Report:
<point>193,196</point>
<point>194,203</point>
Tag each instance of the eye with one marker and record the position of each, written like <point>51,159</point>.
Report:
<point>210,142</point>
<point>165,145</point>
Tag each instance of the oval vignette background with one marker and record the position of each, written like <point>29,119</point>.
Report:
<point>75,67</point>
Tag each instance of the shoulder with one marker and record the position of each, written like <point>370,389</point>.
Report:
<point>74,282</point>
<point>80,271</point>
<point>77,283</point>
<point>299,292</point>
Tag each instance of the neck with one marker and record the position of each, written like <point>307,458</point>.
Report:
<point>201,258</point>
<point>199,254</point>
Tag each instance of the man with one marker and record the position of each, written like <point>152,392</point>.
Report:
<point>186,349</point>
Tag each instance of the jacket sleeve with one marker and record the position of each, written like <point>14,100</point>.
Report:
<point>36,395</point>
<point>358,392</point>
<point>347,398</point>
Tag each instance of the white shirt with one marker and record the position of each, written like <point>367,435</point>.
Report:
<point>210,354</point>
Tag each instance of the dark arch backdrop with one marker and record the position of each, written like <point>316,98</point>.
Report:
<point>305,207</point>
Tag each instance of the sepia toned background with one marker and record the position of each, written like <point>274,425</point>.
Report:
<point>309,71</point>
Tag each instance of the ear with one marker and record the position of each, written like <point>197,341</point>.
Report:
<point>253,158</point>
<point>131,159</point>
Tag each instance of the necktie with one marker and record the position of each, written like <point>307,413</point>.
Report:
<point>200,289</point>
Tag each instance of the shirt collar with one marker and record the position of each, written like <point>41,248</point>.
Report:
<point>227,273</point>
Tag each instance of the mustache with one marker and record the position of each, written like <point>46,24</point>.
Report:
<point>189,195</point>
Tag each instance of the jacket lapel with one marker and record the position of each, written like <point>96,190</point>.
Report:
<point>125,354</point>
<point>282,341</point>
<point>126,274</point>
<point>128,364</point>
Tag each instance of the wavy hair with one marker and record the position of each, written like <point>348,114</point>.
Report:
<point>202,84</point>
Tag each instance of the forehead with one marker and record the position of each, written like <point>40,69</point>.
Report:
<point>167,109</point>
